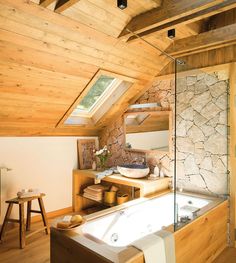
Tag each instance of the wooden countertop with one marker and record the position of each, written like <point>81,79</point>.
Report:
<point>145,185</point>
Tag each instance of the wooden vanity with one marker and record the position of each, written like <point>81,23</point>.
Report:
<point>134,187</point>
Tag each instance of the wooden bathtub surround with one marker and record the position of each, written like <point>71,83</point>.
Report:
<point>21,221</point>
<point>83,178</point>
<point>201,241</point>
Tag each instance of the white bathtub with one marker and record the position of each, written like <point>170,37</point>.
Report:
<point>121,228</point>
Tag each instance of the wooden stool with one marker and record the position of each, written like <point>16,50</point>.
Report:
<point>23,228</point>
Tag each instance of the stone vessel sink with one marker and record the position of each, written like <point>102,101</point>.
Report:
<point>133,170</point>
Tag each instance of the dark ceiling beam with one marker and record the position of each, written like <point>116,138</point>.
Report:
<point>62,5</point>
<point>216,38</point>
<point>169,12</point>
<point>225,6</point>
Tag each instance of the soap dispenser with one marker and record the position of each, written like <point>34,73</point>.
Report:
<point>156,171</point>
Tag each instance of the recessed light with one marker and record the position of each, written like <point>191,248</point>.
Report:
<point>122,4</point>
<point>171,33</point>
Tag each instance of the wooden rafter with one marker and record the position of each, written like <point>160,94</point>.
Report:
<point>62,5</point>
<point>170,11</point>
<point>46,3</point>
<point>225,6</point>
<point>220,37</point>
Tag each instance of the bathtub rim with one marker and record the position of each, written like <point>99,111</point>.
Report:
<point>141,200</point>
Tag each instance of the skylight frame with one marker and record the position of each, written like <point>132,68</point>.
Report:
<point>92,123</point>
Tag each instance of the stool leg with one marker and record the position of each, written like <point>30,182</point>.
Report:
<point>4,225</point>
<point>28,221</point>
<point>22,225</point>
<point>43,213</point>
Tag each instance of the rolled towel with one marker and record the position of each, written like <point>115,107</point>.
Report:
<point>26,193</point>
<point>153,248</point>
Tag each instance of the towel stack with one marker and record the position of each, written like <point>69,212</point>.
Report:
<point>95,192</point>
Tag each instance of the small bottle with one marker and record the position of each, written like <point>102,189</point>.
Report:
<point>94,166</point>
<point>162,174</point>
<point>157,171</point>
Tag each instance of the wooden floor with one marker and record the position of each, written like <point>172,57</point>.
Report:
<point>37,249</point>
<point>228,256</point>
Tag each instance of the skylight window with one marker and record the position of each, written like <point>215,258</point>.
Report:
<point>97,98</point>
<point>94,95</point>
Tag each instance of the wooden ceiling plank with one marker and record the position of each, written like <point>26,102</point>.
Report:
<point>167,14</point>
<point>66,27</point>
<point>62,5</point>
<point>77,51</point>
<point>211,39</point>
<point>46,3</point>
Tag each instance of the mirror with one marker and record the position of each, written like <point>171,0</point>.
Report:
<point>148,131</point>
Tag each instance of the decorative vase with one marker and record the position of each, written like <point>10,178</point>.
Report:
<point>103,162</point>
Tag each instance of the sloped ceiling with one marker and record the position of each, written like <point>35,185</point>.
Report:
<point>48,58</point>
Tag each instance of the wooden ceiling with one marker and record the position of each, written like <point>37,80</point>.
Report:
<point>51,50</point>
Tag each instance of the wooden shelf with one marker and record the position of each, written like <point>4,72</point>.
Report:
<point>100,202</point>
<point>84,178</point>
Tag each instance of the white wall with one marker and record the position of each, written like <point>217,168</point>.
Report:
<point>39,162</point>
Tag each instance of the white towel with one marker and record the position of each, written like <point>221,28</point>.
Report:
<point>169,241</point>
<point>153,248</point>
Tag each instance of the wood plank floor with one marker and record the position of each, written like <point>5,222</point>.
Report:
<point>227,256</point>
<point>37,249</point>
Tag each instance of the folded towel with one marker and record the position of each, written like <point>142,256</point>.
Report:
<point>153,248</point>
<point>98,187</point>
<point>169,241</point>
<point>94,193</point>
<point>92,197</point>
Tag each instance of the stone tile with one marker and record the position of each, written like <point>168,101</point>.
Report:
<point>216,144</point>
<point>191,80</point>
<point>210,111</point>
<point>200,101</point>
<point>218,89</point>
<point>196,134</point>
<point>210,79</point>
<point>190,166</point>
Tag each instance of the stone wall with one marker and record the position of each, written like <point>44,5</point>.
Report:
<point>201,132</point>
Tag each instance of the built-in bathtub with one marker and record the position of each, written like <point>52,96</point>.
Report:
<point>109,234</point>
<point>123,227</point>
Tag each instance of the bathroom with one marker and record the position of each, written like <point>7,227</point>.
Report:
<point>117,131</point>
